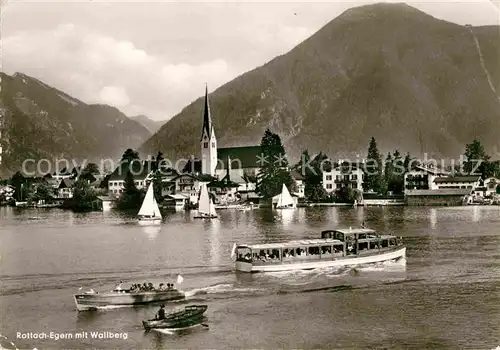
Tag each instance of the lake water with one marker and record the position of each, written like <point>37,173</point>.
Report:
<point>446,296</point>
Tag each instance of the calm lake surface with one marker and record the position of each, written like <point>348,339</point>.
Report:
<point>447,295</point>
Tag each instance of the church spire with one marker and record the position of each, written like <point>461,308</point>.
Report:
<point>207,120</point>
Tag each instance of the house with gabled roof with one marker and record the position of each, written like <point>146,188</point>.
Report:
<point>142,172</point>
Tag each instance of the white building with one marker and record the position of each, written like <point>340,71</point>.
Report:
<point>342,174</point>
<point>141,172</point>
<point>422,178</point>
<point>456,182</point>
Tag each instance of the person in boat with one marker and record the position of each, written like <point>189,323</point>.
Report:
<point>150,286</point>
<point>160,315</point>
<point>118,288</point>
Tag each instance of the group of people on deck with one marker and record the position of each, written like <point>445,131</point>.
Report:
<point>145,287</point>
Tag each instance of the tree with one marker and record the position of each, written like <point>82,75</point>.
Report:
<point>89,171</point>
<point>131,197</point>
<point>129,155</point>
<point>373,169</point>
<point>43,192</point>
<point>158,165</point>
<point>395,182</point>
<point>84,197</point>
<point>477,161</point>
<point>157,186</point>
<point>274,167</point>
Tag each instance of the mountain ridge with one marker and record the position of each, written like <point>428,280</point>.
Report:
<point>390,71</point>
<point>42,122</point>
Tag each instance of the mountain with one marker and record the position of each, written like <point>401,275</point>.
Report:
<point>390,71</point>
<point>41,122</point>
<point>152,125</point>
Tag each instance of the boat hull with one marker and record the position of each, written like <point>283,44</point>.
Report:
<point>146,221</point>
<point>191,315</point>
<point>393,254</point>
<point>205,216</point>
<point>86,302</point>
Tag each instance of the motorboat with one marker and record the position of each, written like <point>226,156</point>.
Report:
<point>92,300</point>
<point>191,315</point>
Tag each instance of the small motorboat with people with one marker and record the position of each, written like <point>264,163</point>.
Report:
<point>191,315</point>
<point>341,247</point>
<point>137,294</point>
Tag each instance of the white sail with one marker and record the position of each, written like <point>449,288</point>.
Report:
<point>285,198</point>
<point>149,206</point>
<point>204,202</point>
<point>212,208</point>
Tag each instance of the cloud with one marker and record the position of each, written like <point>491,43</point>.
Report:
<point>101,69</point>
<point>114,96</point>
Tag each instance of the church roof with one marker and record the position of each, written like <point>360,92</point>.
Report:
<point>207,118</point>
<point>240,157</point>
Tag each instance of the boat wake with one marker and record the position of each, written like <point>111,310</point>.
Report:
<point>223,288</point>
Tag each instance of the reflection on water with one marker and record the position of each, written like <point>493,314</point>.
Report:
<point>213,231</point>
<point>360,213</point>
<point>476,213</point>
<point>151,231</point>
<point>433,218</point>
<point>286,217</point>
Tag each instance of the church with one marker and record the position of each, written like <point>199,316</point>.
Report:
<point>239,165</point>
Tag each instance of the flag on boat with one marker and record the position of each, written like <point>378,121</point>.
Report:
<point>233,252</point>
<point>179,279</point>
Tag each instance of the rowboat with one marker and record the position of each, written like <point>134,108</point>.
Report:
<point>342,247</point>
<point>191,315</point>
<point>93,300</point>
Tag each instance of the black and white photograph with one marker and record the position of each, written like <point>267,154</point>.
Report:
<point>249,174</point>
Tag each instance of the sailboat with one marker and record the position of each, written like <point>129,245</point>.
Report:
<point>206,207</point>
<point>149,212</point>
<point>285,199</point>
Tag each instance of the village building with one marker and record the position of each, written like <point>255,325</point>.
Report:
<point>142,172</point>
<point>337,175</point>
<point>423,178</point>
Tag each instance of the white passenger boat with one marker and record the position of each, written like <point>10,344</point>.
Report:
<point>149,214</point>
<point>352,246</point>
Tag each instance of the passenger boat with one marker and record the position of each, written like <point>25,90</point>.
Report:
<point>342,247</point>
<point>206,207</point>
<point>149,214</point>
<point>191,315</point>
<point>92,300</point>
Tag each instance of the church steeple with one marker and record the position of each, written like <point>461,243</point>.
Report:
<point>208,141</point>
<point>207,119</point>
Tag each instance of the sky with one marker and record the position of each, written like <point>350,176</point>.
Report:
<point>154,58</point>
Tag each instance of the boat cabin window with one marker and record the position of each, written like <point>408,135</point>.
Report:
<point>313,251</point>
<point>244,254</point>
<point>338,248</point>
<point>374,245</point>
<point>289,253</point>
<point>333,235</point>
<point>384,243</point>
<point>300,252</point>
<point>269,254</point>
<point>326,249</point>
<point>363,245</point>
